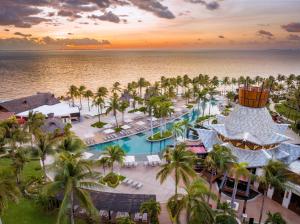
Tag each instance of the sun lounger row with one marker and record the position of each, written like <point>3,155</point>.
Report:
<point>134,184</point>
<point>90,141</point>
<point>125,132</point>
<point>140,128</point>
<point>156,163</point>
<point>112,136</point>
<point>138,217</point>
<point>131,164</point>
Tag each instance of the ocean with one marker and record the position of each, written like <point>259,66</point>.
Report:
<point>25,73</point>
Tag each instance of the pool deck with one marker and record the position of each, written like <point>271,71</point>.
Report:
<point>94,136</point>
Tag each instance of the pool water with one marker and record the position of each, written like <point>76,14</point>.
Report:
<point>138,144</point>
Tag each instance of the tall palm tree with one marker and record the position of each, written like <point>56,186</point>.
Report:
<point>274,175</point>
<point>274,218</point>
<point>34,122</point>
<point>81,91</point>
<point>9,191</point>
<point>113,106</point>
<point>153,209</point>
<point>73,93</point>
<point>72,175</point>
<point>179,83</point>
<point>201,95</point>
<point>225,82</point>
<point>141,83</point>
<point>99,103</point>
<point>181,166</point>
<point>88,94</point>
<point>19,159</point>
<point>193,203</point>
<point>116,88</point>
<point>115,154</point>
<point>238,170</point>
<point>218,160</point>
<point>177,130</point>
<point>122,108</point>
<point>163,110</point>
<point>103,162</point>
<point>44,145</point>
<point>71,144</point>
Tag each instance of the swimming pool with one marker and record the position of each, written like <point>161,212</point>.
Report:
<point>138,144</point>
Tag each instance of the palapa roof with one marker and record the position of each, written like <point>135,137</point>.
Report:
<point>254,125</point>
<point>28,103</point>
<point>52,125</point>
<point>255,158</point>
<point>6,115</point>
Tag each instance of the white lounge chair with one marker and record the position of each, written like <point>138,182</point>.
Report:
<point>137,217</point>
<point>145,217</point>
<point>134,184</point>
<point>139,186</point>
<point>129,181</point>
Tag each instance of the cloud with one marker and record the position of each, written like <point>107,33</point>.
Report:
<point>7,30</point>
<point>213,5</point>
<point>265,34</point>
<point>221,36</point>
<point>155,7</point>
<point>70,33</point>
<point>34,43</point>
<point>291,27</point>
<point>50,14</point>
<point>68,13</point>
<point>293,37</point>
<point>21,13</point>
<point>22,34</point>
<point>109,16</point>
<point>263,24</point>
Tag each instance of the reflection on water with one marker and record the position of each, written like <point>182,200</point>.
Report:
<point>24,73</point>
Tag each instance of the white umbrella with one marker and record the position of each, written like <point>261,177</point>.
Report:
<point>128,120</point>
<point>140,123</point>
<point>109,131</point>
<point>178,109</point>
<point>87,155</point>
<point>125,127</point>
<point>153,119</point>
<point>138,113</point>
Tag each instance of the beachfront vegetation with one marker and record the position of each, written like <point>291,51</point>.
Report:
<point>98,124</point>
<point>111,179</point>
<point>160,136</point>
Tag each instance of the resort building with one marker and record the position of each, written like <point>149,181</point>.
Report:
<point>45,103</point>
<point>254,138</point>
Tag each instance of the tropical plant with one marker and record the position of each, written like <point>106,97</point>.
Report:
<point>88,94</point>
<point>34,122</point>
<point>103,162</point>
<point>9,191</point>
<point>218,160</point>
<point>122,108</point>
<point>72,175</point>
<point>153,209</point>
<point>181,166</point>
<point>19,159</point>
<point>116,88</point>
<point>73,93</point>
<point>115,154</point>
<point>44,145</point>
<point>275,218</point>
<point>124,220</point>
<point>274,175</point>
<point>142,83</point>
<point>71,144</point>
<point>113,106</point>
<point>177,129</point>
<point>81,91</point>
<point>238,170</point>
<point>193,203</point>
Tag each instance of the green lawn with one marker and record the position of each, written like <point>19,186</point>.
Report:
<point>286,111</point>
<point>26,211</point>
<point>98,124</point>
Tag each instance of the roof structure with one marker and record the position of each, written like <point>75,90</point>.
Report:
<point>253,125</point>
<point>52,125</point>
<point>6,115</point>
<point>28,103</point>
<point>59,110</point>
<point>255,158</point>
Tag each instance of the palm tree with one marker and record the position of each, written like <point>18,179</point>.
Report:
<point>274,218</point>
<point>19,159</point>
<point>163,110</point>
<point>113,106</point>
<point>225,82</point>
<point>122,108</point>
<point>238,170</point>
<point>71,144</point>
<point>153,209</point>
<point>274,175</point>
<point>181,165</point>
<point>104,162</point>
<point>193,203</point>
<point>151,104</point>
<point>124,220</point>
<point>185,123</point>
<point>81,91</point>
<point>88,94</point>
<point>115,154</point>
<point>141,83</point>
<point>178,82</point>
<point>9,192</point>
<point>44,145</point>
<point>73,93</point>
<point>201,95</point>
<point>218,160</point>
<point>34,122</point>
<point>99,99</point>
<point>116,88</point>
<point>187,95</point>
<point>72,176</point>
<point>177,130</point>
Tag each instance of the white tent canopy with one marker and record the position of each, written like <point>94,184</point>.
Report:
<point>109,131</point>
<point>141,123</point>
<point>125,127</point>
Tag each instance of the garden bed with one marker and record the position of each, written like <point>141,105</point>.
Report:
<point>158,137</point>
<point>111,180</point>
<point>98,124</point>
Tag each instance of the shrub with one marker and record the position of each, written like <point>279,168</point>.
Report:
<point>225,219</point>
<point>98,124</point>
<point>157,136</point>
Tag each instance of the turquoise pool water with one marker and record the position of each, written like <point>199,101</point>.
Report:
<point>138,144</point>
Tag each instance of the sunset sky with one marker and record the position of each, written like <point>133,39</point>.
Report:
<point>149,24</point>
